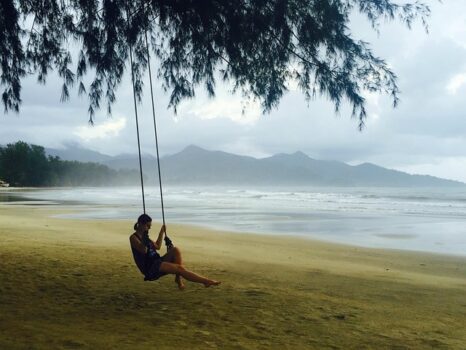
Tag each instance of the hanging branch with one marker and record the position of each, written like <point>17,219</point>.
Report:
<point>256,45</point>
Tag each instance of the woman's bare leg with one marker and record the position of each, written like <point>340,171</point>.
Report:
<point>189,275</point>
<point>174,256</point>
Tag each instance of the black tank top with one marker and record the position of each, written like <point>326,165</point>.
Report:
<point>144,261</point>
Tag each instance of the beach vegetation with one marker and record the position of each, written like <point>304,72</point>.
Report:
<point>22,164</point>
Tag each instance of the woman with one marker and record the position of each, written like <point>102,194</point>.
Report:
<point>152,265</point>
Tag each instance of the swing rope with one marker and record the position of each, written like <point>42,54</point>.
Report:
<point>168,241</point>
<point>136,115</point>
<point>155,128</point>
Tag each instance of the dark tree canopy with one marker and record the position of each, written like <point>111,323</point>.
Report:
<point>22,164</point>
<point>257,45</point>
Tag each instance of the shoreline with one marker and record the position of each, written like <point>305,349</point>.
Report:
<point>370,218</point>
<point>293,236</point>
<point>348,219</point>
<point>77,211</point>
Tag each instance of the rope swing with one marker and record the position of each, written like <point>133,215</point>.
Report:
<point>137,128</point>
<point>168,241</point>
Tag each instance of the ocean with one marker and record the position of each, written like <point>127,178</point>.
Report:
<point>420,219</point>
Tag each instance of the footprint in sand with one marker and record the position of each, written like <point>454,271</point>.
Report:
<point>255,293</point>
<point>72,344</point>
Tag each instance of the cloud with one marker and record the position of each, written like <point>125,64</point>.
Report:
<point>455,28</point>
<point>108,129</point>
<point>456,83</point>
<point>232,108</point>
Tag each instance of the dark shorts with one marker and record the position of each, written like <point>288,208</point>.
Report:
<point>153,272</point>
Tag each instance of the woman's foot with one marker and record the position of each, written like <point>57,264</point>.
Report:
<point>211,283</point>
<point>180,283</point>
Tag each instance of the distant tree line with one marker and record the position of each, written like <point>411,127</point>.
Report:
<point>22,164</point>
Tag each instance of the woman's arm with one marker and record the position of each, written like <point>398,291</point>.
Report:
<point>137,244</point>
<point>158,242</point>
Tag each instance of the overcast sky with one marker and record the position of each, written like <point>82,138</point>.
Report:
<point>426,134</point>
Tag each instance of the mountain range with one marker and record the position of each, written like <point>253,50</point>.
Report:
<point>197,166</point>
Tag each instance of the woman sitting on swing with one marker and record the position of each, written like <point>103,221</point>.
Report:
<point>152,265</point>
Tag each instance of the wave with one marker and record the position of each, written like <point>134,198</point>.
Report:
<point>417,198</point>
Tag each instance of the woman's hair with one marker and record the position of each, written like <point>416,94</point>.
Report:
<point>142,219</point>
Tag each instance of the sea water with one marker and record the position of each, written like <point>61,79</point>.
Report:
<point>423,219</point>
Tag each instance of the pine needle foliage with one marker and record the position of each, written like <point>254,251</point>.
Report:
<point>258,46</point>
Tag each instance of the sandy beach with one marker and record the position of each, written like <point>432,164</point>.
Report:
<point>72,284</point>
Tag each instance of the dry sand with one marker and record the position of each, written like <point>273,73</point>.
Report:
<point>72,284</point>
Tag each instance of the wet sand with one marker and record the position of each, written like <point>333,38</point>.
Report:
<point>72,284</point>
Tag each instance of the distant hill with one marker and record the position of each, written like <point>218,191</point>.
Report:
<point>194,165</point>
